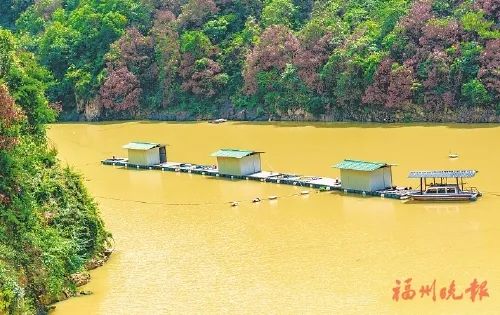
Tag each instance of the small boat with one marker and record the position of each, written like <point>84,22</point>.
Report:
<point>440,189</point>
<point>273,197</point>
<point>218,121</point>
<point>453,155</point>
<point>255,200</point>
<point>304,192</point>
<point>445,193</point>
<point>234,203</point>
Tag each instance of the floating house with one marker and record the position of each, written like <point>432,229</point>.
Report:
<point>146,153</point>
<point>364,176</point>
<point>238,162</point>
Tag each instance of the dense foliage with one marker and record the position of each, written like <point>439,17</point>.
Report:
<point>49,226</point>
<point>107,57</point>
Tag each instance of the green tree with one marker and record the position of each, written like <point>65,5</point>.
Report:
<point>278,12</point>
<point>474,93</point>
<point>476,23</point>
<point>11,9</point>
<point>466,65</point>
<point>196,43</point>
<point>218,29</point>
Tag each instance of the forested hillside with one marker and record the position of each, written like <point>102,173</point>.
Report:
<point>49,226</point>
<point>330,59</point>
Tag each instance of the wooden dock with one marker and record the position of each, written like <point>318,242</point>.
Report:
<point>316,182</point>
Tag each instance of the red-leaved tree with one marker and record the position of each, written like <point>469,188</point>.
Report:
<point>135,51</point>
<point>277,48</point>
<point>201,77</point>
<point>414,21</point>
<point>489,72</point>
<point>195,12</point>
<point>376,93</point>
<point>120,91</point>
<point>490,7</point>
<point>310,57</point>
<point>438,82</point>
<point>399,91</point>
<point>392,85</point>
<point>10,114</point>
<point>167,53</point>
<point>440,34</point>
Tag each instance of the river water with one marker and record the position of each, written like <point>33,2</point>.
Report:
<point>180,248</point>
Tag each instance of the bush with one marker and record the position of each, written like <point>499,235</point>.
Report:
<point>474,93</point>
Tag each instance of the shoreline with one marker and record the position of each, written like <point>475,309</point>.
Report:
<point>409,114</point>
<point>82,278</point>
<point>326,124</point>
<point>363,114</point>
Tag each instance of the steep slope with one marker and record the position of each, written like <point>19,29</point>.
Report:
<point>49,225</point>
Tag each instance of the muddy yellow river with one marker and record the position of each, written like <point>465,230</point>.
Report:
<point>180,248</point>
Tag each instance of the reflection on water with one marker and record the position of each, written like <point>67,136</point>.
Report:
<point>181,248</point>
<point>443,209</point>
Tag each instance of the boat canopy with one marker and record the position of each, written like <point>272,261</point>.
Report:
<point>442,174</point>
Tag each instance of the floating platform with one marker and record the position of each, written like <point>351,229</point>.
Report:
<point>322,183</point>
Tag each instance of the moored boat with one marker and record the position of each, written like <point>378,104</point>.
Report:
<point>440,190</point>
<point>445,193</point>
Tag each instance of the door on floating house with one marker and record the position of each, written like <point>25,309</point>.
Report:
<point>250,164</point>
<point>256,163</point>
<point>163,154</point>
<point>381,179</point>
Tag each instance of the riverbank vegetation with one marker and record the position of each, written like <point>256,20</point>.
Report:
<point>49,225</point>
<point>367,60</point>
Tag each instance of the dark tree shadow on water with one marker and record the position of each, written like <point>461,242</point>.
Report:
<point>339,125</point>
<point>290,124</point>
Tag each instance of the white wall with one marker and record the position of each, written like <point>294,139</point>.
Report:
<point>380,178</point>
<point>366,181</point>
<point>144,157</point>
<point>250,164</point>
<point>357,180</point>
<point>240,167</point>
<point>153,156</point>
<point>228,166</point>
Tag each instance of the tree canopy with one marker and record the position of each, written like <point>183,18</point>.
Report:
<point>109,57</point>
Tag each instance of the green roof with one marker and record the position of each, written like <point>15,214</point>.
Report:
<point>360,165</point>
<point>137,145</point>
<point>233,153</point>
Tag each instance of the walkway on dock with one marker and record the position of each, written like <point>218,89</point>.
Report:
<point>317,182</point>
